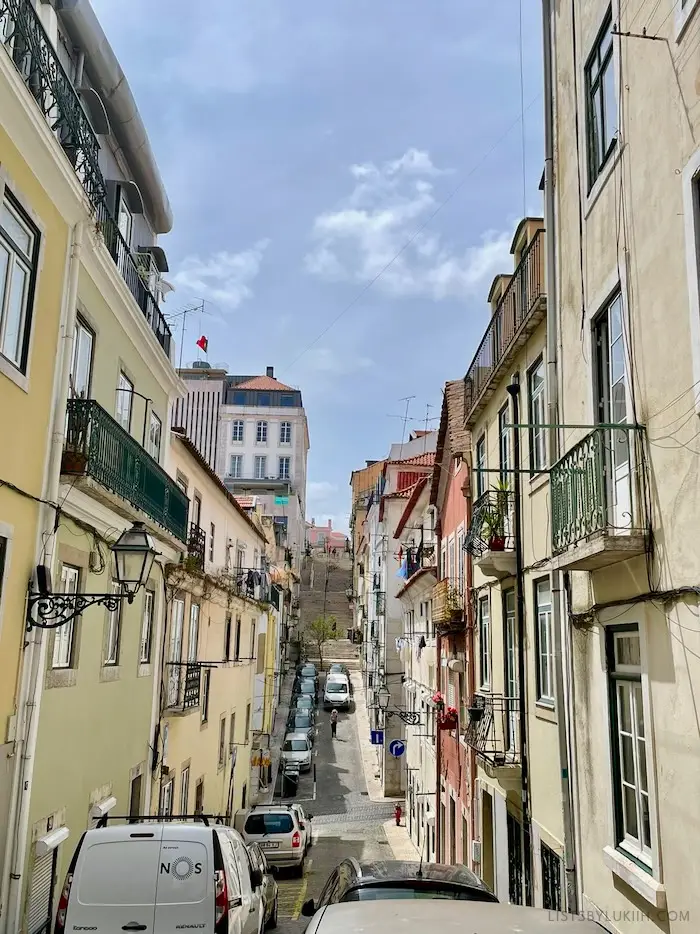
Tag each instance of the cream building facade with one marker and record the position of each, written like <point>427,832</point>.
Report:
<point>626,165</point>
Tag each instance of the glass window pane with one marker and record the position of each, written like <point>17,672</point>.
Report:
<point>610,106</point>
<point>619,402</point>
<point>627,650</point>
<point>629,799</point>
<point>617,360</point>
<point>615,319</point>
<point>639,710</point>
<point>13,329</point>
<point>642,764</point>
<point>82,358</point>
<point>627,756</point>
<point>16,230</point>
<point>597,127</point>
<point>4,265</point>
<point>646,826</point>
<point>623,708</point>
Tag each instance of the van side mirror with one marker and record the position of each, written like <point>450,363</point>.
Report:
<point>309,817</point>
<point>308,908</point>
<point>256,878</point>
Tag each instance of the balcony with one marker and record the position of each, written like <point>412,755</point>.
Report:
<point>196,545</point>
<point>493,730</point>
<point>183,684</point>
<point>448,606</point>
<point>135,272</point>
<point>35,58</point>
<point>490,539</point>
<point>248,584</point>
<point>521,309</point>
<point>98,448</point>
<point>599,504</point>
<point>379,603</point>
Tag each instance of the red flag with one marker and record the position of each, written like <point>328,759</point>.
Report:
<point>203,343</point>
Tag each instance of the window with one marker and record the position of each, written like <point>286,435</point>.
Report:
<point>19,241</point>
<point>629,749</point>
<point>125,398</point>
<point>147,627</point>
<point>240,558</point>
<point>206,682</point>
<point>247,723</point>
<point>125,220</point>
<point>154,435</point>
<point>3,558</point>
<point>227,639</point>
<point>135,796</point>
<point>237,643</point>
<point>181,481</point>
<point>236,466</point>
<point>536,403</point>
<point>193,635</point>
<point>63,638</point>
<point>252,640</point>
<point>480,465</point>
<point>261,433</point>
<point>285,432</point>
<point>166,798</point>
<point>286,400</point>
<point>601,104</point>
<point>232,736</point>
<point>264,398</point>
<point>284,468</point>
<point>260,467</point>
<point>460,560</point>
<point>199,797</point>
<point>114,625</point>
<point>504,445</point>
<point>212,533</point>
<point>551,878</point>
<point>237,430</point>
<point>544,637</point>
<point>185,790</point>
<point>222,741</point>
<point>484,642</point>
<point>81,364</point>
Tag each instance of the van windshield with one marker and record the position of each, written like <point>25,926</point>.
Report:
<point>295,745</point>
<point>336,687</point>
<point>269,823</point>
<point>302,722</point>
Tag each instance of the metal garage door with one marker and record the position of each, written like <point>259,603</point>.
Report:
<point>40,902</point>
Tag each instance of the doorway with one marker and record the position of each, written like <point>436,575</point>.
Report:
<point>487,865</point>
<point>453,832</point>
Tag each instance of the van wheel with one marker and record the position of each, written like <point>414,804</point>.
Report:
<point>299,870</point>
<point>272,923</point>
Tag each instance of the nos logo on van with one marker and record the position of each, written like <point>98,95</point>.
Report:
<point>181,869</point>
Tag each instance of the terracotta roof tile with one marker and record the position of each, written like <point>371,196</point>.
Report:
<point>420,460</point>
<point>265,383</point>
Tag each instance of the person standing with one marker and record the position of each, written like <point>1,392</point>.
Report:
<point>334,722</point>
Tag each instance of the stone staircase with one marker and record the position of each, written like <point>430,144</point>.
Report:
<point>324,582</point>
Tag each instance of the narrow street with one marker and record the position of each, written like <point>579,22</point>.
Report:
<point>345,822</point>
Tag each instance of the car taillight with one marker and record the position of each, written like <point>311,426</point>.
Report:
<point>296,839</point>
<point>63,905</point>
<point>220,900</point>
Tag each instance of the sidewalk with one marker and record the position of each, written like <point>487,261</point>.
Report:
<point>401,844</point>
<point>277,738</point>
<point>369,753</point>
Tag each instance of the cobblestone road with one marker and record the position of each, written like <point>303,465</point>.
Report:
<point>345,822</point>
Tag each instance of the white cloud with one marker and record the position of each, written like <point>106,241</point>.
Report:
<point>318,491</point>
<point>223,277</point>
<point>384,211</point>
<point>324,360</point>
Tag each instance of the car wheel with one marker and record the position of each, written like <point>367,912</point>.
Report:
<point>299,870</point>
<point>272,922</point>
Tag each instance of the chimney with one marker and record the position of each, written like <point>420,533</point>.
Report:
<point>329,525</point>
<point>270,371</point>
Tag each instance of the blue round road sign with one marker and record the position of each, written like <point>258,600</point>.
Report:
<point>397,748</point>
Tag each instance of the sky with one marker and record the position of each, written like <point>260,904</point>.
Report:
<point>346,178</point>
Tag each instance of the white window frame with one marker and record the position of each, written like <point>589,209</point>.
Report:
<point>184,789</point>
<point>84,338</point>
<point>145,646</point>
<point>114,625</point>
<point>155,436</point>
<point>480,464</point>
<point>260,467</point>
<point>460,558</point>
<point>261,432</point>
<point>193,633</point>
<point>125,219</point>
<point>484,642</point>
<point>545,641</point>
<point>221,759</point>
<point>62,656</point>
<point>285,432</point>
<point>123,410</point>
<point>236,459</point>
<point>237,431</point>
<point>27,263</point>
<point>165,805</point>
<point>537,417</point>
<point>212,540</point>
<point>287,461</point>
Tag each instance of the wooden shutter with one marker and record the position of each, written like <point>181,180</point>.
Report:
<point>41,893</point>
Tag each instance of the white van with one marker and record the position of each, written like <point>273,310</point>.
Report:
<point>336,693</point>
<point>161,877</point>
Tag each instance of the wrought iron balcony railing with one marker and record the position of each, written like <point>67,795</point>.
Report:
<point>379,602</point>
<point>598,486</point>
<point>183,683</point>
<point>493,728</point>
<point>98,447</point>
<point>249,584</point>
<point>31,50</point>
<point>134,274</point>
<point>196,545</point>
<point>522,297</point>
<point>492,524</point>
<point>448,604</point>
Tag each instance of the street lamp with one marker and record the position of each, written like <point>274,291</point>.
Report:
<point>134,554</point>
<point>383,696</point>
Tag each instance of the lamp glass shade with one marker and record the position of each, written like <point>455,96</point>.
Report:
<point>383,697</point>
<point>134,554</point>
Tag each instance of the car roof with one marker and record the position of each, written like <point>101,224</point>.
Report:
<point>415,916</point>
<point>295,736</point>
<point>397,870</point>
<point>270,808</point>
<point>159,830</point>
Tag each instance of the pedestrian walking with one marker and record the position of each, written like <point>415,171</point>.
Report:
<point>334,722</point>
<point>397,814</point>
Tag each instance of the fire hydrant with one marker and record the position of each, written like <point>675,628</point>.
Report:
<point>397,815</point>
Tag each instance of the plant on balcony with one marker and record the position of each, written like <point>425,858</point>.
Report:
<point>438,700</point>
<point>74,459</point>
<point>449,719</point>
<point>495,517</point>
<point>453,605</point>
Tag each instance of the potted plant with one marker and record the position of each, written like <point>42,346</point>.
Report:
<point>495,517</point>
<point>74,458</point>
<point>449,720</point>
<point>438,700</point>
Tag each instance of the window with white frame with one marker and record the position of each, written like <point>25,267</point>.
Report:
<point>147,627</point>
<point>260,467</point>
<point>185,790</point>
<point>212,536</point>
<point>484,642</point>
<point>63,636</point>
<point>193,634</point>
<point>460,559</point>
<point>601,100</point>
<point>222,741</point>
<point>284,468</point>
<point>19,241</point>
<point>125,398</point>
<point>81,362</point>
<point>155,431</point>
<point>544,641</point>
<point>114,624</point>
<point>536,405</point>
<point>451,565</point>
<point>237,430</point>
<point>504,445</point>
<point>629,743</point>
<point>235,468</point>
<point>166,798</point>
<point>285,432</point>
<point>261,433</point>
<point>480,466</point>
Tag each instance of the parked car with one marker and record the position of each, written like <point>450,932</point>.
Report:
<point>339,668</point>
<point>303,665</point>
<point>336,693</point>
<point>297,748</point>
<point>307,671</point>
<point>302,722</point>
<point>155,876</point>
<point>279,831</point>
<point>449,916</point>
<point>303,702</point>
<point>307,686</point>
<point>268,885</point>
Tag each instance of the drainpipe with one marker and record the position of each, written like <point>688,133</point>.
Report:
<point>34,658</point>
<point>514,392</point>
<point>471,676</point>
<point>438,757</point>
<point>552,387</point>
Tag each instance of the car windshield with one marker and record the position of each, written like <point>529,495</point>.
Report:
<point>336,687</point>
<point>295,745</point>
<point>368,893</point>
<point>269,823</point>
<point>308,672</point>
<point>304,702</point>
<point>308,685</point>
<point>302,722</point>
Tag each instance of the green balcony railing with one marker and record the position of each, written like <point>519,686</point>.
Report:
<point>31,50</point>
<point>98,447</point>
<point>597,486</point>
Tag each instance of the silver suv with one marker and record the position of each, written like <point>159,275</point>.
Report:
<point>281,831</point>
